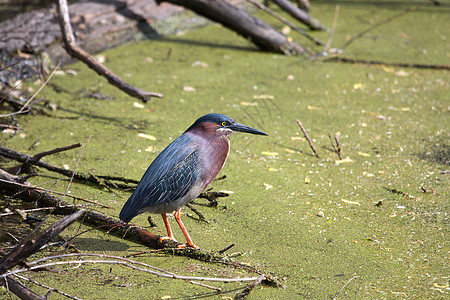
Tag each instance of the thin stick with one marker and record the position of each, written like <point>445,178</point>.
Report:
<point>307,138</point>
<point>338,149</point>
<point>333,28</point>
<point>38,156</point>
<point>75,169</point>
<point>345,286</point>
<point>75,51</point>
<point>249,288</point>
<point>285,21</point>
<point>338,145</point>
<point>383,63</point>
<point>129,265</point>
<point>47,287</point>
<point>382,22</point>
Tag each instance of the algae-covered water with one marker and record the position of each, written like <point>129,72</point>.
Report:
<point>379,215</point>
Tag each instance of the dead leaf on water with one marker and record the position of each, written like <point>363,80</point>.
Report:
<point>188,88</point>
<point>268,186</point>
<point>401,73</point>
<point>307,180</point>
<point>263,97</point>
<point>138,105</point>
<point>364,154</point>
<point>358,86</point>
<point>351,202</point>
<point>268,153</point>
<point>147,136</point>
<point>243,103</point>
<point>345,160</point>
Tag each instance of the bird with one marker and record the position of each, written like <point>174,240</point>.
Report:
<point>183,170</point>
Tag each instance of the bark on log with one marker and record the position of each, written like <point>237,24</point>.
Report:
<point>93,218</point>
<point>236,19</point>
<point>75,51</point>
<point>20,290</point>
<point>32,244</point>
<point>299,14</point>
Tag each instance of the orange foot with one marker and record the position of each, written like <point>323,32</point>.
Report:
<point>181,246</point>
<point>163,238</point>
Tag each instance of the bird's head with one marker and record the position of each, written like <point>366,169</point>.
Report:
<point>221,124</point>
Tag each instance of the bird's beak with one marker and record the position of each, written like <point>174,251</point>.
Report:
<point>244,128</point>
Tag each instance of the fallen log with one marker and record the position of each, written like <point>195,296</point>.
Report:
<point>11,186</point>
<point>260,33</point>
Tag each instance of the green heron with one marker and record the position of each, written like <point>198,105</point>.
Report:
<point>183,170</point>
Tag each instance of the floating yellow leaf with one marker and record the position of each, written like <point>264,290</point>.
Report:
<point>273,170</point>
<point>147,136</point>
<point>268,186</point>
<point>263,97</point>
<point>268,153</point>
<point>298,138</point>
<point>351,202</point>
<point>358,86</point>
<point>401,73</point>
<point>188,89</point>
<point>138,105</point>
<point>364,154</point>
<point>345,160</point>
<point>307,180</point>
<point>243,103</point>
<point>226,192</point>
<point>289,150</point>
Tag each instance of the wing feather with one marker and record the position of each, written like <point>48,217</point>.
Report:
<point>170,176</point>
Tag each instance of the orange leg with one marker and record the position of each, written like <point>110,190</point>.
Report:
<point>189,241</point>
<point>169,230</point>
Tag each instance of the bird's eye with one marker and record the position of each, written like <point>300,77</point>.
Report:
<point>224,123</point>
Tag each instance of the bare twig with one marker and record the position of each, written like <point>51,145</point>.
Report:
<point>333,28</point>
<point>124,262</point>
<point>285,21</point>
<point>307,138</point>
<point>38,156</point>
<point>21,157</point>
<point>382,22</point>
<point>337,149</point>
<point>75,51</point>
<point>32,244</point>
<point>47,287</point>
<point>335,296</point>
<point>75,169</point>
<point>383,63</point>
<point>249,288</point>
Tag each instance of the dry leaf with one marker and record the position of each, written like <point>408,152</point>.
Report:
<point>188,89</point>
<point>243,103</point>
<point>138,105</point>
<point>307,180</point>
<point>345,160</point>
<point>364,154</point>
<point>289,150</point>
<point>147,136</point>
<point>268,153</point>
<point>268,186</point>
<point>351,202</point>
<point>263,97</point>
<point>273,170</point>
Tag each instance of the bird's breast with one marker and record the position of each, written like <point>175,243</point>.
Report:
<point>213,157</point>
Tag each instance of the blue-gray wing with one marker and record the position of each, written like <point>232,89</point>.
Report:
<point>170,176</point>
